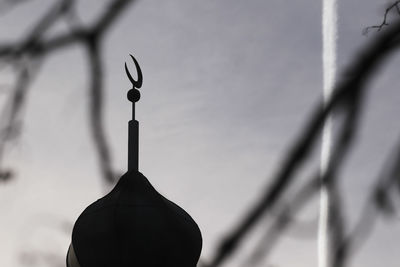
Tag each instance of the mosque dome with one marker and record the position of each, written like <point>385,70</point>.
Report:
<point>135,226</point>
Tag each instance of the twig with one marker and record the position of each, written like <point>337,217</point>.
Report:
<point>384,23</point>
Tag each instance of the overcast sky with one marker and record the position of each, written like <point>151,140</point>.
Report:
<point>227,87</point>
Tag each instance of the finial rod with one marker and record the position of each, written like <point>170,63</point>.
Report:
<point>133,134</point>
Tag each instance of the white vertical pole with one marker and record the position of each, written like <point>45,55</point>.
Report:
<point>329,36</point>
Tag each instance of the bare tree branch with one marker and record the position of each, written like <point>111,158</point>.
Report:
<point>11,117</point>
<point>283,221</point>
<point>96,110</point>
<point>343,145</point>
<point>378,201</point>
<point>34,45</point>
<point>384,23</point>
<point>351,107</point>
<point>354,80</point>
<point>7,5</point>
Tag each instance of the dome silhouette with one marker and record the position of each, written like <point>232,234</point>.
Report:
<point>134,225</point>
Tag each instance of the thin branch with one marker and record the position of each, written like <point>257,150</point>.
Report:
<point>96,110</point>
<point>282,221</point>
<point>35,46</point>
<point>111,12</point>
<point>11,116</point>
<point>376,201</point>
<point>28,44</point>
<point>342,147</point>
<point>7,5</point>
<point>354,80</point>
<point>54,13</point>
<point>384,23</point>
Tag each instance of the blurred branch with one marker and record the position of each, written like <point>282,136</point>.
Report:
<point>346,137</point>
<point>28,45</point>
<point>96,109</point>
<point>7,5</point>
<point>342,147</point>
<point>34,46</point>
<point>378,200</point>
<point>351,84</point>
<point>11,116</point>
<point>283,221</point>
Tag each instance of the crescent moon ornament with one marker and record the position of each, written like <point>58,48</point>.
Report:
<point>135,83</point>
<point>134,225</point>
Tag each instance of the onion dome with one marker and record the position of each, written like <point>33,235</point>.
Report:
<point>134,225</point>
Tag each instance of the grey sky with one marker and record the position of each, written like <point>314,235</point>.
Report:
<point>227,86</point>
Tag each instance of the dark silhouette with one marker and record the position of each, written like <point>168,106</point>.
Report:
<point>134,225</point>
<point>28,53</point>
<point>133,140</point>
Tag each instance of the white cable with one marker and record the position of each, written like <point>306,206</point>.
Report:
<point>329,36</point>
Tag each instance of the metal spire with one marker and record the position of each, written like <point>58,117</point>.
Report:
<point>133,134</point>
